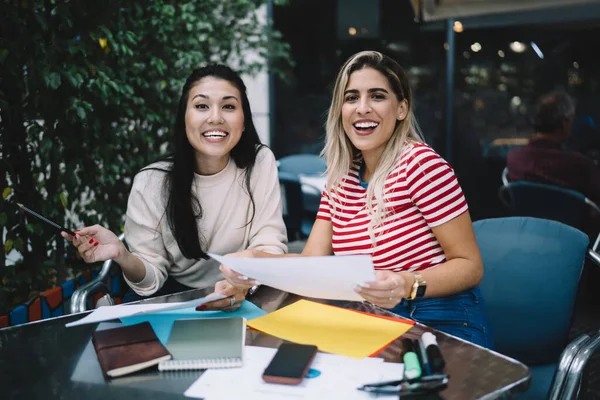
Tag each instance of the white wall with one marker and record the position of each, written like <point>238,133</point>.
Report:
<point>258,95</point>
<point>258,92</point>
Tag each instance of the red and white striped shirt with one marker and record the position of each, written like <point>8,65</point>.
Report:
<point>421,192</point>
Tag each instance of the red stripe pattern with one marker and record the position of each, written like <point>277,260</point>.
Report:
<point>422,192</point>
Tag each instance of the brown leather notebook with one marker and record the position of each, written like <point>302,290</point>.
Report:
<point>128,349</point>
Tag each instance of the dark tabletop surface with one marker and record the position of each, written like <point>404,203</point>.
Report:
<point>42,360</point>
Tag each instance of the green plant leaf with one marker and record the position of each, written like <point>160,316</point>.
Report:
<point>8,246</point>
<point>18,244</point>
<point>53,80</point>
<point>63,199</point>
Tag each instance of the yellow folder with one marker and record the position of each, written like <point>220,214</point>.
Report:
<point>332,329</point>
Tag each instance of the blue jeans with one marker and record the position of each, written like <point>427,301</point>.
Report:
<point>462,315</point>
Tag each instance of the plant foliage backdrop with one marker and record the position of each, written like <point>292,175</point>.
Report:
<point>88,94</point>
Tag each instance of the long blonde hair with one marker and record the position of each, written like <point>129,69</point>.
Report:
<point>340,153</point>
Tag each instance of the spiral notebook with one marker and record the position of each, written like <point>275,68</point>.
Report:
<point>205,343</point>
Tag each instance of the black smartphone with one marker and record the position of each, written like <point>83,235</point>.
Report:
<point>290,364</point>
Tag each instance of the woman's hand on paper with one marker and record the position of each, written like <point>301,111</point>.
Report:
<point>236,279</point>
<point>96,243</point>
<point>387,291</point>
<point>234,295</point>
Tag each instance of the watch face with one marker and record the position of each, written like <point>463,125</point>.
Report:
<point>421,291</point>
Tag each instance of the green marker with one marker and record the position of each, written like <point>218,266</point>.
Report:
<point>412,367</point>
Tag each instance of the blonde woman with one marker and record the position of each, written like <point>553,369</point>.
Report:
<point>391,196</point>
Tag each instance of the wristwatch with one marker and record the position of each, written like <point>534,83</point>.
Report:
<point>418,288</point>
<point>252,290</point>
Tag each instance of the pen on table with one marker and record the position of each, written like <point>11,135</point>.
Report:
<point>433,352</point>
<point>371,387</point>
<point>60,228</point>
<point>412,369</point>
<point>425,369</point>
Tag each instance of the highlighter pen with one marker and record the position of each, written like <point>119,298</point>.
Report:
<point>433,352</point>
<point>412,369</point>
<point>425,368</point>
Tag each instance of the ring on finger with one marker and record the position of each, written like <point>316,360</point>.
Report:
<point>231,301</point>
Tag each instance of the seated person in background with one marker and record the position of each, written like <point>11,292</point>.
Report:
<point>544,159</point>
<point>218,192</point>
<point>391,196</point>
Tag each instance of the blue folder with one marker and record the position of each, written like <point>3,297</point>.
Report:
<point>162,322</point>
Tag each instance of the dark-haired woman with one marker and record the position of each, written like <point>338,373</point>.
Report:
<point>218,192</point>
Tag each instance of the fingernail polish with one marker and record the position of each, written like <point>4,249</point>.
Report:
<point>74,236</point>
<point>76,230</point>
<point>201,308</point>
<point>96,244</point>
<point>91,241</point>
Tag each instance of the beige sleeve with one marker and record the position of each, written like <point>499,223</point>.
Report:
<point>145,209</point>
<point>267,232</point>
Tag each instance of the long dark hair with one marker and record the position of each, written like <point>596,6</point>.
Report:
<point>183,206</point>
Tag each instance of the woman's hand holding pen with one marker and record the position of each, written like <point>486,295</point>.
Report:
<point>387,291</point>
<point>96,243</point>
<point>236,279</point>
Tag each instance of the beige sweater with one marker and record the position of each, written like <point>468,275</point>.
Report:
<point>223,227</point>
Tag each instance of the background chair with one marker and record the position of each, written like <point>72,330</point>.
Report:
<point>302,164</point>
<point>553,202</point>
<point>297,222</point>
<point>306,165</point>
<point>532,270</point>
<point>524,198</point>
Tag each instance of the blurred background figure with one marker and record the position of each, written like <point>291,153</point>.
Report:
<point>545,158</point>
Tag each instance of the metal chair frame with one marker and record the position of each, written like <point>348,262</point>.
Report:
<point>81,294</point>
<point>572,377</point>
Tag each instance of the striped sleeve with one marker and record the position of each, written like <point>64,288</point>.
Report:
<point>324,212</point>
<point>433,187</point>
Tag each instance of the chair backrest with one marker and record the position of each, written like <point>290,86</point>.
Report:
<point>293,203</point>
<point>307,164</point>
<point>546,201</point>
<point>531,273</point>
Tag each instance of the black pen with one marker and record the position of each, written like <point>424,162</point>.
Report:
<point>423,358</point>
<point>54,224</point>
<point>423,380</point>
<point>433,352</point>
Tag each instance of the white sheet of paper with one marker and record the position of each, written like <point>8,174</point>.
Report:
<point>339,377</point>
<point>107,313</point>
<point>330,277</point>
